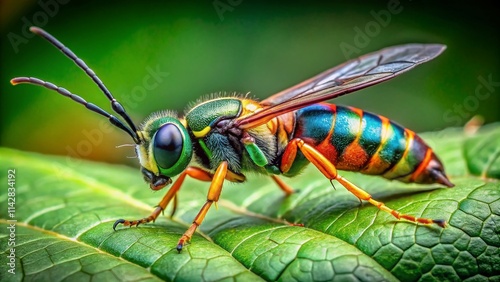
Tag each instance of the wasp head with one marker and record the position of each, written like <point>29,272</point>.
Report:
<point>165,149</point>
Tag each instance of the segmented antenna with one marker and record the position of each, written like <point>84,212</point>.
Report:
<point>115,105</point>
<point>63,91</point>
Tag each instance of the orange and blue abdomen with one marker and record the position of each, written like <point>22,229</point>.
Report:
<point>355,140</point>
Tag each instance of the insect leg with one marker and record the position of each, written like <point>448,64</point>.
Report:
<point>363,195</point>
<point>329,170</point>
<point>213,196</point>
<point>194,172</point>
<point>285,187</point>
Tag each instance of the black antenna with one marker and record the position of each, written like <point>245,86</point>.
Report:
<point>116,122</point>
<point>115,105</point>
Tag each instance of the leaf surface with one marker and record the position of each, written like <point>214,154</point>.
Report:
<point>65,209</point>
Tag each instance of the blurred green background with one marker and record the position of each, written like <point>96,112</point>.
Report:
<point>233,46</point>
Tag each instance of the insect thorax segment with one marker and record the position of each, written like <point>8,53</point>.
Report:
<point>217,139</point>
<point>203,116</point>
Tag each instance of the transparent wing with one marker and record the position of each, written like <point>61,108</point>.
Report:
<point>353,75</point>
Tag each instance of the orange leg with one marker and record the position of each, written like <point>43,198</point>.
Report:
<point>285,187</point>
<point>213,196</point>
<point>194,172</point>
<point>329,170</point>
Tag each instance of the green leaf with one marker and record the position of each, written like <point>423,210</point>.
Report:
<point>64,209</point>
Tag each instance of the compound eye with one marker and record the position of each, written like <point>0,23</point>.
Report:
<point>167,145</point>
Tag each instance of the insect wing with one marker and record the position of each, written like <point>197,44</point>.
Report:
<point>353,75</point>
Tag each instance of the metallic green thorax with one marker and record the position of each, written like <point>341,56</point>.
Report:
<point>201,117</point>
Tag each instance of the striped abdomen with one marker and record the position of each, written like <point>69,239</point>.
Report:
<point>356,140</point>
